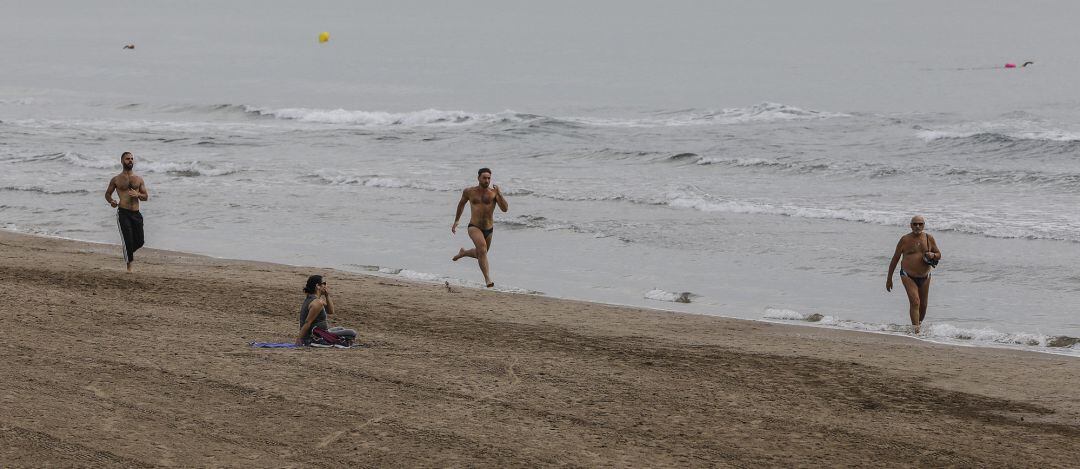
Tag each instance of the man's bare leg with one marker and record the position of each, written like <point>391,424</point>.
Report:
<point>480,253</point>
<point>487,242</point>
<point>129,268</point>
<point>471,252</point>
<point>924,297</point>
<point>914,304</point>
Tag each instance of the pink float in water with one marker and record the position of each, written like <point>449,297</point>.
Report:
<point>1010,65</point>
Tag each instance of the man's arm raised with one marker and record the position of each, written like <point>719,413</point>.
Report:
<point>460,208</point>
<point>329,302</point>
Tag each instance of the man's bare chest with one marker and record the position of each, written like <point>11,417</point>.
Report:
<point>481,198</point>
<point>914,246</point>
<point>128,182</point>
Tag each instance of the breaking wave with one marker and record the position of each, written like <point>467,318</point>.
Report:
<point>763,112</point>
<point>987,136</point>
<point>1067,181</point>
<point>187,168</point>
<point>18,102</point>
<point>987,224</point>
<point>546,224</point>
<point>382,118</point>
<point>961,175</point>
<point>747,162</point>
<point>671,297</point>
<point>694,157</point>
<point>1035,226</point>
<point>174,168</point>
<point>334,177</point>
<point>758,113</point>
<point>94,127</point>
<point>43,190</point>
<point>427,277</point>
<point>1007,138</point>
<point>940,332</point>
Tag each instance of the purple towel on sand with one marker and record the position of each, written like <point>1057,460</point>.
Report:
<point>273,345</point>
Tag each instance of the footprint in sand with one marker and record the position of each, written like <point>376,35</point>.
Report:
<point>97,391</point>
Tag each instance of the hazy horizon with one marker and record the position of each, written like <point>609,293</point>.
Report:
<point>840,56</point>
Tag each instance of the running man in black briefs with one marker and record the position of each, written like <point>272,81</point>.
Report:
<point>483,200</point>
<point>131,188</point>
<point>918,250</point>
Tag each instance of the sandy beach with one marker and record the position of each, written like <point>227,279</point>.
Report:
<point>102,368</point>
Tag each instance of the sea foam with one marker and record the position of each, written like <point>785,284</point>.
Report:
<point>758,113</point>
<point>175,168</point>
<point>763,112</point>
<point>1000,131</point>
<point>43,190</point>
<point>939,332</point>
<point>986,224</point>
<point>381,118</point>
<point>671,297</point>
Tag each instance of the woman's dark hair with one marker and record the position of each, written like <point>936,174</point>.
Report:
<point>312,282</point>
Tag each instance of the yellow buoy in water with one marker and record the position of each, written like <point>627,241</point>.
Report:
<point>323,37</point>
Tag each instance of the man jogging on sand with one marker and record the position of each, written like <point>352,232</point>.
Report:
<point>131,189</point>
<point>920,253</point>
<point>483,200</point>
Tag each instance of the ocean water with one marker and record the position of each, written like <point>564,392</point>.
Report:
<point>744,160</point>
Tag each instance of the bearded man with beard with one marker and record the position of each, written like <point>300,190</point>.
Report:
<point>131,188</point>
<point>483,198</point>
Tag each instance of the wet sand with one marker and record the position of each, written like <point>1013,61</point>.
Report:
<point>103,368</point>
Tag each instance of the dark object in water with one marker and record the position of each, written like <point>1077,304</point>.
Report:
<point>1028,63</point>
<point>930,261</point>
<point>1062,341</point>
<point>684,157</point>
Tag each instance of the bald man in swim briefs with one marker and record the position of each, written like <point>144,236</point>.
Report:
<point>915,248</point>
<point>482,199</point>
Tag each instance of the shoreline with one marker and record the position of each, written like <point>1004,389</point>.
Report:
<point>1066,351</point>
<point>154,369</point>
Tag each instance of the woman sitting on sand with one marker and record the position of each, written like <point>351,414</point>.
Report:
<point>314,311</point>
